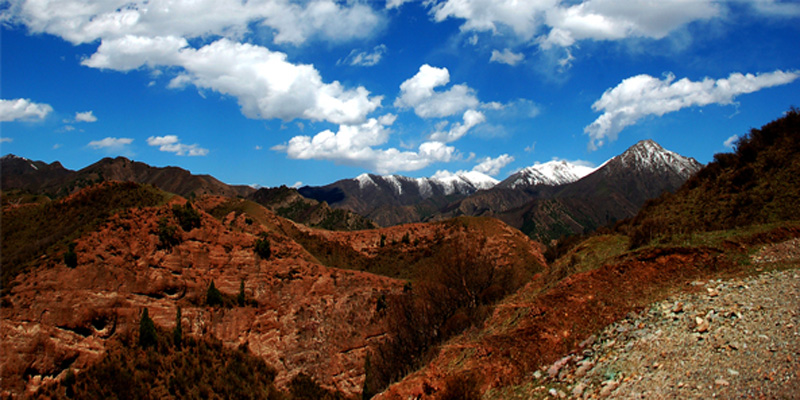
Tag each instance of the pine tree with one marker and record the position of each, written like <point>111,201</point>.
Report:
<point>213,296</point>
<point>177,332</point>
<point>240,298</point>
<point>147,331</point>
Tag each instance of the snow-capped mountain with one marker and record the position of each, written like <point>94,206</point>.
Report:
<point>443,182</point>
<point>551,173</point>
<point>649,155</point>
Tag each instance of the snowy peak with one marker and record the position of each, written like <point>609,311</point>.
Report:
<point>443,182</point>
<point>649,155</point>
<point>551,173</point>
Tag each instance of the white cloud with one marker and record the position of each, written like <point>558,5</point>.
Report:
<point>266,85</point>
<point>492,166</point>
<point>171,144</point>
<point>87,116</point>
<point>418,93</point>
<point>457,130</point>
<point>396,3</point>
<point>364,58</point>
<point>565,24</point>
<point>110,143</point>
<point>777,8</point>
<point>643,95</point>
<point>23,109</point>
<point>297,185</point>
<point>730,141</point>
<point>356,145</point>
<point>506,57</point>
<point>84,21</point>
<point>6,140</point>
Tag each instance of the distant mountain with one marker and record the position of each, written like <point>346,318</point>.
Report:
<point>394,199</point>
<point>55,180</point>
<point>545,200</point>
<point>614,191</point>
<point>290,204</point>
<point>552,173</point>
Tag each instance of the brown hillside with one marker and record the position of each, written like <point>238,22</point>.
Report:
<point>299,317</point>
<point>550,318</point>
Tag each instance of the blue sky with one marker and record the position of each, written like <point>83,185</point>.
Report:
<point>273,92</point>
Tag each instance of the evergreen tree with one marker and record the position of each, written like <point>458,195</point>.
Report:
<point>177,332</point>
<point>240,298</point>
<point>147,331</point>
<point>213,296</point>
<point>70,257</point>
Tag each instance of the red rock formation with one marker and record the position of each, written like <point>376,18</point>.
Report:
<point>308,318</point>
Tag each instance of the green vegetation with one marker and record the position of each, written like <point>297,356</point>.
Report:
<point>240,298</point>
<point>759,183</point>
<point>35,230</point>
<point>452,293</point>
<point>168,235</point>
<point>188,217</point>
<point>214,296</point>
<point>177,332</point>
<point>70,257</point>
<point>147,331</point>
<point>262,248</point>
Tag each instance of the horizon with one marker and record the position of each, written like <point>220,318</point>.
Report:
<point>280,92</point>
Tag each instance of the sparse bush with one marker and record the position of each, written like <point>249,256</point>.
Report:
<point>383,240</point>
<point>262,248</point>
<point>167,234</point>
<point>405,239</point>
<point>460,387</point>
<point>188,217</point>
<point>70,257</point>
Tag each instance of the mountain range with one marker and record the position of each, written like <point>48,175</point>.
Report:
<point>545,200</point>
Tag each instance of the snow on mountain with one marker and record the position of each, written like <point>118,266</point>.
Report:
<point>551,173</point>
<point>462,182</point>
<point>649,155</point>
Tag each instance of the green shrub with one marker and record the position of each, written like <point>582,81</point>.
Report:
<point>262,248</point>
<point>167,234</point>
<point>70,257</point>
<point>188,217</point>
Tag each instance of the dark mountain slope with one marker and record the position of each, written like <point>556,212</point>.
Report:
<point>758,183</point>
<point>54,180</point>
<point>613,192</point>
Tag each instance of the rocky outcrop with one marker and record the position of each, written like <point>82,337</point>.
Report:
<point>300,316</point>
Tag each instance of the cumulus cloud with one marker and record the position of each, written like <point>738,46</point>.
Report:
<point>364,58</point>
<point>171,144</point>
<point>418,93</point>
<point>23,109</point>
<point>84,21</point>
<point>266,84</point>
<point>492,166</point>
<point>457,130</point>
<point>557,23</point>
<point>506,57</point>
<point>87,116</point>
<point>730,141</point>
<point>643,95</point>
<point>110,143</point>
<point>6,140</point>
<point>355,145</point>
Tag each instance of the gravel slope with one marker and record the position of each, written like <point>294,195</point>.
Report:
<point>731,339</point>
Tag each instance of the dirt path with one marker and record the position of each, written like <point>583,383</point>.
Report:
<point>738,338</point>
